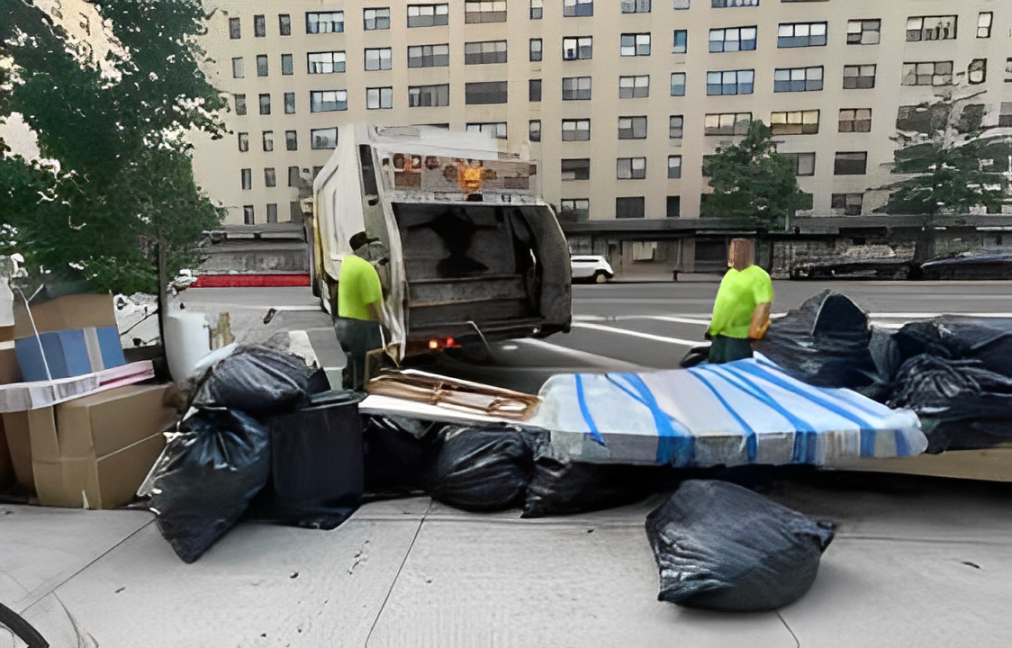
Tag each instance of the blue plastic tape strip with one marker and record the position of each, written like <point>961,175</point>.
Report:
<point>675,444</point>
<point>750,438</point>
<point>581,397</point>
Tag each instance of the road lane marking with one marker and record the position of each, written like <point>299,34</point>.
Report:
<point>594,358</point>
<point>645,336</point>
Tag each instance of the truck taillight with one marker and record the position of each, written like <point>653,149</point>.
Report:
<point>438,344</point>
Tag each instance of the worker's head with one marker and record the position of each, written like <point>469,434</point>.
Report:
<point>361,240</point>
<point>740,254</point>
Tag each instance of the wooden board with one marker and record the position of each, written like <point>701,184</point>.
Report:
<point>990,464</point>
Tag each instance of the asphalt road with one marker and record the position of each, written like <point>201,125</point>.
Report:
<point>618,326</point>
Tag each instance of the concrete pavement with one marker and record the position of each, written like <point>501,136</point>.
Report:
<point>915,562</point>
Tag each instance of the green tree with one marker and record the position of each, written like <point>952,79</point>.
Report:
<point>123,181</point>
<point>751,180</point>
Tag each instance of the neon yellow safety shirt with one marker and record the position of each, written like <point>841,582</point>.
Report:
<point>358,286</point>
<point>740,292</point>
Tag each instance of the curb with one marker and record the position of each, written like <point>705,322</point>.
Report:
<point>300,279</point>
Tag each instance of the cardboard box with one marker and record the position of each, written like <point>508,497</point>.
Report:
<point>19,427</point>
<point>6,467</point>
<point>10,370</point>
<point>105,482</point>
<point>69,353</point>
<point>64,314</point>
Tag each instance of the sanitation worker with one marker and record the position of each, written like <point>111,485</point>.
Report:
<point>741,312</point>
<point>359,309</point>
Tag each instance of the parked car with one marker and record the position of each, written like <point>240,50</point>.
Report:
<point>591,267</point>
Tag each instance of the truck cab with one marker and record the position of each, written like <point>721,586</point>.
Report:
<point>472,253</point>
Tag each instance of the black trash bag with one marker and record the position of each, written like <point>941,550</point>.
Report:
<point>719,546</point>
<point>394,458</point>
<point>206,477</point>
<point>479,469</point>
<point>696,356</point>
<point>259,381</point>
<point>824,343</point>
<point>988,340</point>
<point>317,462</point>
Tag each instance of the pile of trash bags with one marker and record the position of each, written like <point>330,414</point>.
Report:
<point>955,372</point>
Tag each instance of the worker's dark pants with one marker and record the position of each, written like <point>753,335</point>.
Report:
<point>357,338</point>
<point>726,349</point>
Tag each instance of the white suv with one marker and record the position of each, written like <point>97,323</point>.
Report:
<point>591,267</point>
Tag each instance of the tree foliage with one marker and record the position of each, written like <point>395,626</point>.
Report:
<point>123,180</point>
<point>751,180</point>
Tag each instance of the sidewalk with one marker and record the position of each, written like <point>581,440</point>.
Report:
<point>915,563</point>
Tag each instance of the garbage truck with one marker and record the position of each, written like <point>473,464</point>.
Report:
<point>468,251</point>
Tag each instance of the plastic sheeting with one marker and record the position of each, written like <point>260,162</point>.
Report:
<point>742,412</point>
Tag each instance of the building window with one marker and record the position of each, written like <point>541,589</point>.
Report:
<point>676,125</point>
<point>797,122</point>
<point>977,72</point>
<point>804,163</point>
<point>847,204</point>
<point>262,65</point>
<point>726,4</point>
<point>492,129</point>
<point>247,215</point>
<point>577,209</point>
<point>1008,70</point>
<point>855,120</point>
<point>577,47</point>
<point>801,34</point>
<point>535,49</point>
<point>534,90</point>
<point>379,98</point>
<point>1005,115</point>
<point>635,6</point>
<point>674,167</point>
<point>240,104</point>
<point>246,178</point>
<point>730,82</point>
<point>483,53</point>
<point>270,177</point>
<point>632,128</point>
<point>537,9</point>
<point>858,77</point>
<point>234,28</point>
<point>429,95</point>
<point>285,24</point>
<point>428,15</point>
<point>286,64</point>
<point>325,62</point>
<point>291,141</point>
<point>243,142</point>
<point>633,87</point>
<point>631,168</point>
<point>931,28</point>
<point>807,79</point>
<point>984,20</point>
<point>484,11</point>
<point>259,27</point>
<point>378,58</point>
<point>268,141</point>
<point>534,130</point>
<point>681,4</point>
<point>289,103</point>
<point>486,92</point>
<point>632,207</point>
<point>733,39</point>
<point>576,169</point>
<point>324,22</point>
<point>864,32</point>
<point>373,19</point>
<point>272,212</point>
<point>678,84</point>
<point>727,123</point>
<point>673,208</point>
<point>423,56</point>
<point>576,88</point>
<point>930,73</point>
<point>323,138</point>
<point>635,45</point>
<point>576,8</point>
<point>575,130</point>
<point>238,68</point>
<point>328,100</point>
<point>265,104</point>
<point>681,42</point>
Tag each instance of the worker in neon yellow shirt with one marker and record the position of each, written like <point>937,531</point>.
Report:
<point>359,309</point>
<point>741,312</point>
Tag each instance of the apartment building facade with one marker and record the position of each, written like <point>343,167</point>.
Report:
<point>619,100</point>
